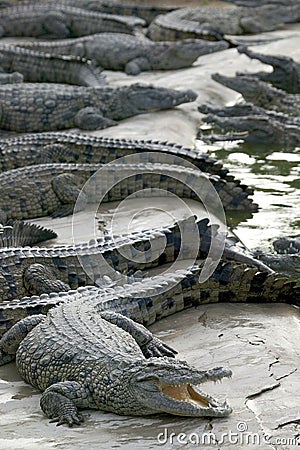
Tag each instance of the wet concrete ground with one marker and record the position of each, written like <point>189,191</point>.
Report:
<point>260,343</point>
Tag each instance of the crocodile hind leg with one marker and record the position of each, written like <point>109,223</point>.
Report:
<point>11,340</point>
<point>59,402</point>
<point>68,189</point>
<point>39,279</point>
<point>149,344</point>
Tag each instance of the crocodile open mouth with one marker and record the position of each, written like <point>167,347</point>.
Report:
<point>184,393</point>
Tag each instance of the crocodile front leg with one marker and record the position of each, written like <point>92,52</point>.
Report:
<point>67,187</point>
<point>11,340</point>
<point>149,344</point>
<point>59,401</point>
<point>90,118</point>
<point>135,66</point>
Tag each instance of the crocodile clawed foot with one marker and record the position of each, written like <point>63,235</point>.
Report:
<point>158,349</point>
<point>69,419</point>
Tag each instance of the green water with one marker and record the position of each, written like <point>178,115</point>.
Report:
<point>275,176</point>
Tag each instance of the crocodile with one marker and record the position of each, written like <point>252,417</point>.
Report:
<point>251,3</point>
<point>133,54</point>
<point>260,130</point>
<point>34,66</point>
<point>213,22</point>
<point>62,147</point>
<point>287,245</point>
<point>286,264</point>
<point>128,8</point>
<point>261,93</point>
<point>286,260</point>
<point>117,370</point>
<point>27,107</point>
<point>55,20</point>
<point>285,74</point>
<point>124,369</point>
<point>19,234</point>
<point>248,109</point>
<point>36,191</point>
<point>41,270</point>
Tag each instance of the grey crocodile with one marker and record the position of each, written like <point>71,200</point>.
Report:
<point>251,3</point>
<point>287,259</point>
<point>40,67</point>
<point>124,369</point>
<point>119,51</point>
<point>40,270</point>
<point>286,264</point>
<point>261,93</point>
<point>55,20</point>
<point>19,234</point>
<point>248,109</point>
<point>212,22</point>
<point>40,190</point>
<point>287,245</point>
<point>29,107</point>
<point>252,124</point>
<point>62,147</point>
<point>285,74</point>
<point>128,8</point>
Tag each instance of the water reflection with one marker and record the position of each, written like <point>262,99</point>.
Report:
<point>274,175</point>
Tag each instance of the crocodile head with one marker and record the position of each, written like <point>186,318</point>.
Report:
<point>285,74</point>
<point>251,88</point>
<point>260,129</point>
<point>166,385</point>
<point>142,98</point>
<point>176,55</point>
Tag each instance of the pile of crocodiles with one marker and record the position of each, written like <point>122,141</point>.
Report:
<point>271,112</point>
<point>73,317</point>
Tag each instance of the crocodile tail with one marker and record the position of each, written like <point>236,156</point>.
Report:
<point>20,234</point>
<point>234,282</point>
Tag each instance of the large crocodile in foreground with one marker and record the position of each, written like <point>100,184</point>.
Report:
<point>29,107</point>
<point>84,356</point>
<point>54,20</point>
<point>45,189</point>
<point>41,67</point>
<point>285,74</point>
<point>261,93</point>
<point>119,51</point>
<point>212,22</point>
